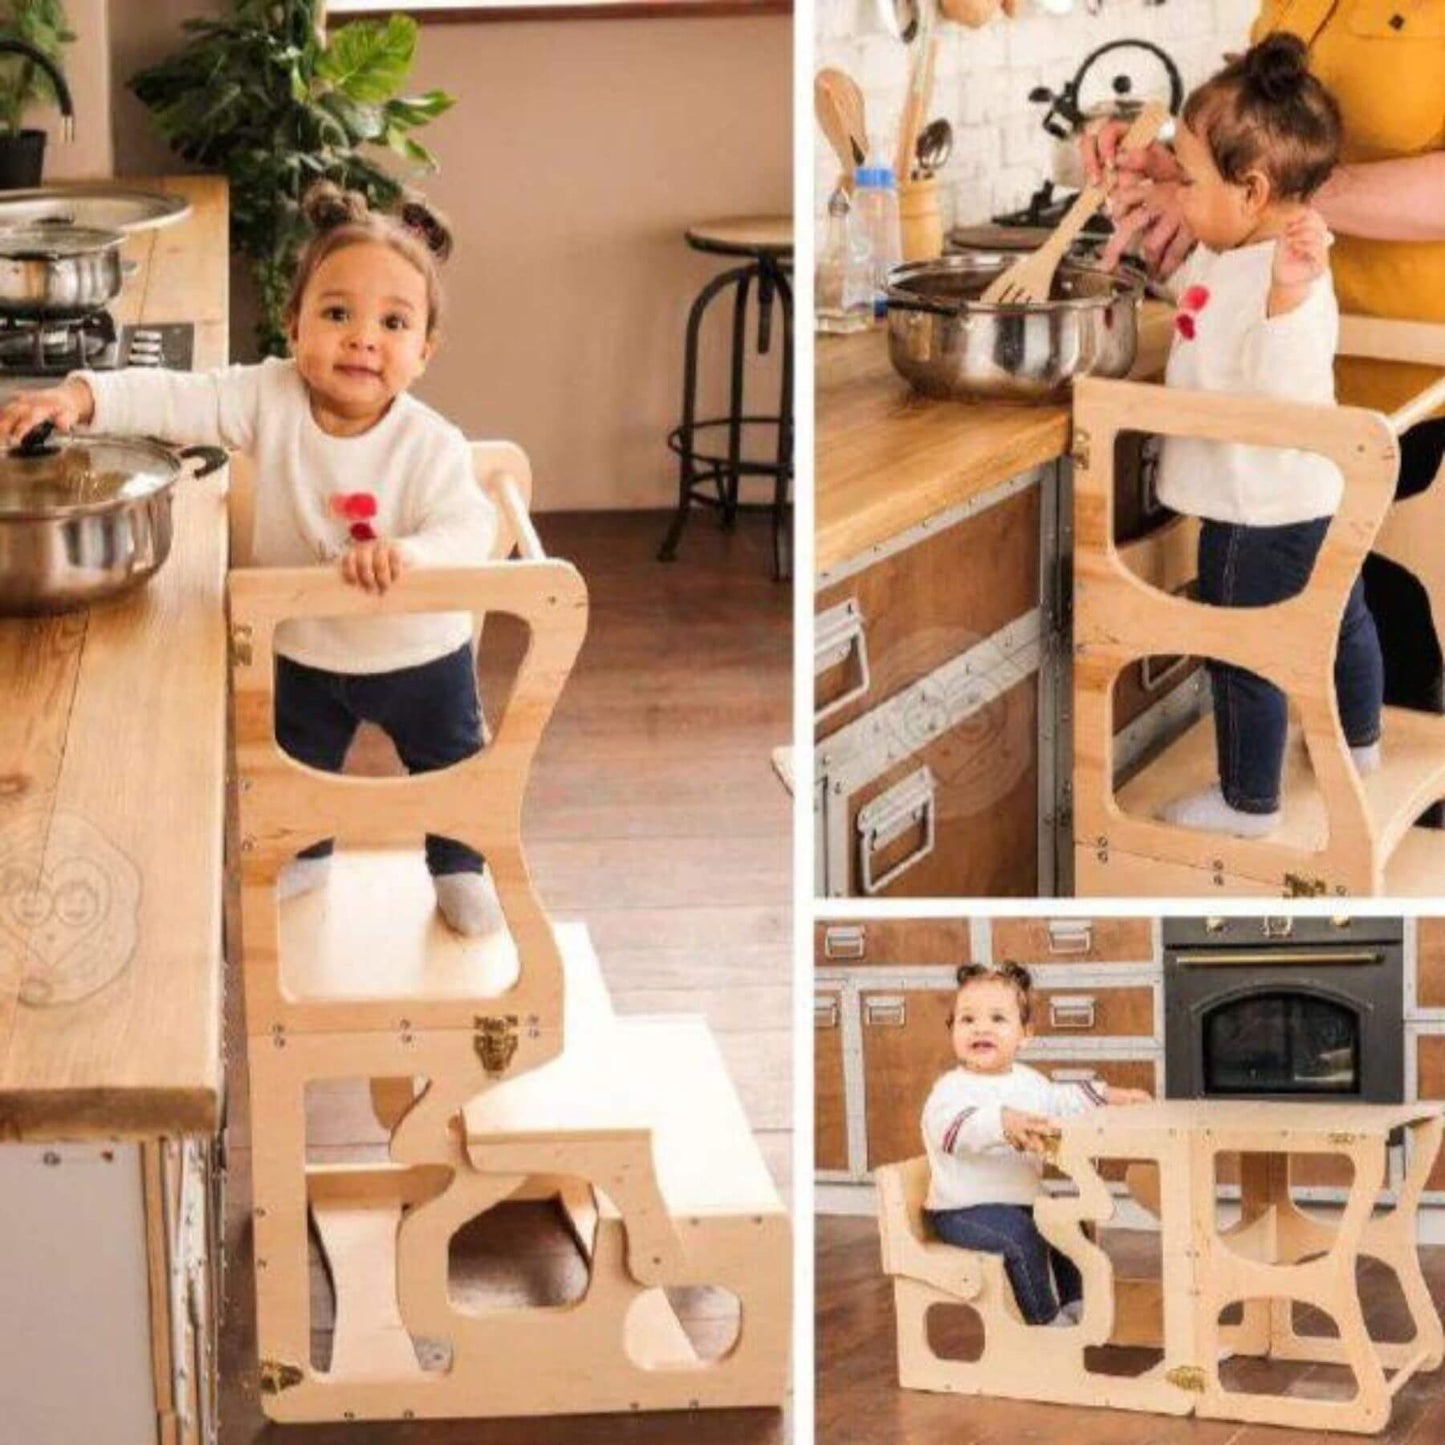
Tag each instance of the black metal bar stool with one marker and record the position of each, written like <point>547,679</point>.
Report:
<point>711,461</point>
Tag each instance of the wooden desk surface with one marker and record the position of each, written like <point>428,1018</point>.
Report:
<point>1294,1125</point>
<point>888,459</point>
<point>112,795</point>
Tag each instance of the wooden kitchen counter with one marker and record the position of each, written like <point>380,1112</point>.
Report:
<point>112,795</point>
<point>889,459</point>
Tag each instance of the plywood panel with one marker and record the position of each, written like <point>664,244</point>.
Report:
<point>938,598</point>
<point>830,1121</point>
<point>1074,940</point>
<point>904,1051</point>
<point>987,806</point>
<point>1430,963</point>
<point>1119,1073</point>
<point>906,942</point>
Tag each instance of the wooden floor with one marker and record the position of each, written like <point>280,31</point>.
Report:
<point>859,1402</point>
<point>654,816</point>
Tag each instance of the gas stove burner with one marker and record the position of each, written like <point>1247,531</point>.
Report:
<point>42,348</point>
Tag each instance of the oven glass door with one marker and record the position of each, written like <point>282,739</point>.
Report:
<point>1281,1042</point>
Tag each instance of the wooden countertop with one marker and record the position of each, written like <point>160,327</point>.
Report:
<point>888,459</point>
<point>112,795</point>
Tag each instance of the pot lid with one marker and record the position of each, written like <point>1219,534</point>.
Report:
<point>74,475</point>
<point>46,242</point>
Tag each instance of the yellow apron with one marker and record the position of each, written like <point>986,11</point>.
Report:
<point>1384,61</point>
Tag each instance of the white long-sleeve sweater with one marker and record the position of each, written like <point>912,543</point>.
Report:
<point>415,464</point>
<point>969,1159</point>
<point>1237,347</point>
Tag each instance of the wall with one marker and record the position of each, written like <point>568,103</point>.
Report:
<point>1001,151</point>
<point>577,155</point>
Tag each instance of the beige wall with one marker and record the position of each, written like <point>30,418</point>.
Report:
<point>577,154</point>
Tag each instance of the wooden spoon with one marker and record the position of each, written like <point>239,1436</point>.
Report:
<point>1031,278</point>
<point>838,105</point>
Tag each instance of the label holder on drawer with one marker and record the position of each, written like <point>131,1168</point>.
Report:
<point>845,940</point>
<point>886,1011</point>
<point>826,1013</point>
<point>1071,1011</point>
<point>1070,936</point>
<point>908,804</point>
<point>836,633</point>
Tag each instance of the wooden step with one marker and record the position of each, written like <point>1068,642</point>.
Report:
<point>1410,779</point>
<point>661,1077</point>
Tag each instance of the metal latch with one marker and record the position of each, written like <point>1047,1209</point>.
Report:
<point>241,650</point>
<point>907,804</point>
<point>1187,1377</point>
<point>1070,935</point>
<point>888,1011</point>
<point>844,940</point>
<point>836,633</point>
<point>825,1011</point>
<point>495,1041</point>
<point>1071,1011</point>
<point>277,1375</point>
<point>1297,885</point>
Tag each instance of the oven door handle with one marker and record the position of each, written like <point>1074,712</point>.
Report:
<point>1228,956</point>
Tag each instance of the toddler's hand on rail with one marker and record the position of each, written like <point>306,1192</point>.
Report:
<point>1028,1133</point>
<point>68,405</point>
<point>371,565</point>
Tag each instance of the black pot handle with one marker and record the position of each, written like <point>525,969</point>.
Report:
<point>33,443</point>
<point>212,459</point>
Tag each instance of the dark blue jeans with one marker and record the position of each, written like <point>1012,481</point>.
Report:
<point>1009,1230</point>
<point>1253,567</point>
<point>430,713</point>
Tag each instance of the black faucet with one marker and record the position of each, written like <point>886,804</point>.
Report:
<point>62,90</point>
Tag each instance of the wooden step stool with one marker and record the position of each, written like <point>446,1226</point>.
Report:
<point>462,1042</point>
<point>1340,834</point>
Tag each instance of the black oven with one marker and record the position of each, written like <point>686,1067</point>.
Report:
<point>1284,1008</point>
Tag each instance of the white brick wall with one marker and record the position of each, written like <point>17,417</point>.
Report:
<point>983,79</point>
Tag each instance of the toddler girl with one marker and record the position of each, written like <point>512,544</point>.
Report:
<point>350,469</point>
<point>986,1126</point>
<point>1257,317</point>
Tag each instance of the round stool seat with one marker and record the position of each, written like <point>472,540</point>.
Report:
<point>743,236</point>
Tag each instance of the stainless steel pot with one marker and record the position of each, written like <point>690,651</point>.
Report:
<point>83,518</point>
<point>58,273</point>
<point>948,343</point>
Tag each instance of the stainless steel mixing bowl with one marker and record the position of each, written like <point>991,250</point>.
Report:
<point>948,343</point>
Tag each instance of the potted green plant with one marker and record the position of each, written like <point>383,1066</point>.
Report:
<point>36,32</point>
<point>275,101</point>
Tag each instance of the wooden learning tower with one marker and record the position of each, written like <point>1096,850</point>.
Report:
<point>495,1062</point>
<point>1339,833</point>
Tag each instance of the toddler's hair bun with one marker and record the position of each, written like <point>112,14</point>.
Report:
<point>1276,69</point>
<point>327,206</point>
<point>426,224</point>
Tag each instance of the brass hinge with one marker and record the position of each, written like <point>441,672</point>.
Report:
<point>1079,448</point>
<point>277,1375</point>
<point>1341,1137</point>
<point>496,1041</point>
<point>241,655</point>
<point>1187,1377</point>
<point>1296,885</point>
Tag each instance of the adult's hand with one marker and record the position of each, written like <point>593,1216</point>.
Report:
<point>1143,198</point>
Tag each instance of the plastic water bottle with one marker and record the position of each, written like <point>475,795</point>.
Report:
<point>843,282</point>
<point>875,208</point>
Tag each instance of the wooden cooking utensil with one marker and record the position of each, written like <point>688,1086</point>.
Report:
<point>1031,277</point>
<point>838,105</point>
<point>920,94</point>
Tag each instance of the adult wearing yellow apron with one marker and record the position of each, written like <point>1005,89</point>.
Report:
<point>1384,60</point>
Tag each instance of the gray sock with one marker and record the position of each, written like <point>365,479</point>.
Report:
<point>464,900</point>
<point>302,875</point>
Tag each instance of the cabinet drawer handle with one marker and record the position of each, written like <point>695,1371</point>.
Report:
<point>845,940</point>
<point>836,633</point>
<point>907,804</point>
<point>1076,1076</point>
<point>886,1013</point>
<point>1152,676</point>
<point>1070,935</point>
<point>825,1011</point>
<point>1071,1011</point>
